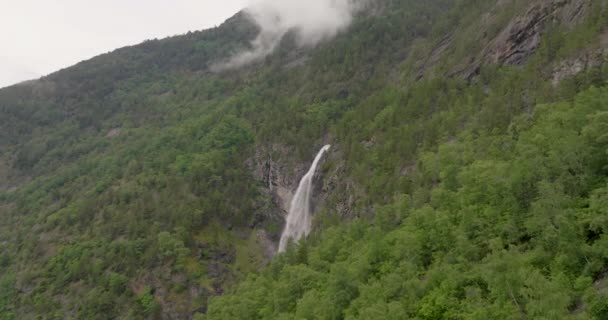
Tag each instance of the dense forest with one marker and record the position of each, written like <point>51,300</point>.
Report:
<point>468,175</point>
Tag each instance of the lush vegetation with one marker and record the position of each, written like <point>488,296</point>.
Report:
<point>502,225</point>
<point>126,187</point>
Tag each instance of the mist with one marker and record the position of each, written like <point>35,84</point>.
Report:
<point>312,21</point>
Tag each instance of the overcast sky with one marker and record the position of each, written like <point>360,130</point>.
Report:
<point>38,37</point>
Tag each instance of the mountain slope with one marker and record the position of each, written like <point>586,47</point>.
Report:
<point>468,159</point>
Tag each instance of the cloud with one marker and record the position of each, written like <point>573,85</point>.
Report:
<point>311,21</point>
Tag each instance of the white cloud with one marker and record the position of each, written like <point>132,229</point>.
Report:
<point>311,20</point>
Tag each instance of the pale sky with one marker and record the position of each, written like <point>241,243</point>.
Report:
<point>38,37</point>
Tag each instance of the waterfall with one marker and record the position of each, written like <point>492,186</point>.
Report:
<point>298,222</point>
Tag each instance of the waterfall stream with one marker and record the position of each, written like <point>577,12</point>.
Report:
<point>298,222</point>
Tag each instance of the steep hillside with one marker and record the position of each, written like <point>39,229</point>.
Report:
<point>467,179</point>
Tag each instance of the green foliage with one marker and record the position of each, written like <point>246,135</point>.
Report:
<point>147,303</point>
<point>127,191</point>
<point>504,235</point>
<point>7,296</point>
<point>169,247</point>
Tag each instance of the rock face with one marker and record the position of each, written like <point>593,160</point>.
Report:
<point>278,180</point>
<point>279,174</point>
<point>584,60</point>
<point>519,39</point>
<point>578,64</point>
<point>336,191</point>
<point>523,35</point>
<point>113,133</point>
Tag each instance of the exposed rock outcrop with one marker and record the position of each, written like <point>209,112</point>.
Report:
<point>279,173</point>
<point>589,58</point>
<point>113,133</point>
<point>579,64</point>
<point>277,181</point>
<point>523,35</point>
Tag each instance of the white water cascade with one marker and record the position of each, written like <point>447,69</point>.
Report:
<point>298,221</point>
